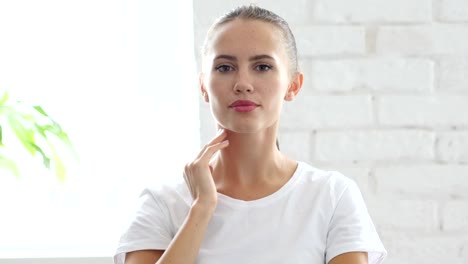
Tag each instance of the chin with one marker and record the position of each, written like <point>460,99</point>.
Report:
<point>245,127</point>
<point>244,130</point>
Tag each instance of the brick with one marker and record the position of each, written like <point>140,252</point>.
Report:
<point>430,181</point>
<point>424,111</point>
<point>453,74</point>
<point>330,40</point>
<point>374,74</point>
<point>373,11</point>
<point>296,144</point>
<point>464,251</point>
<point>455,215</point>
<point>375,145</point>
<point>309,111</point>
<point>414,215</point>
<point>423,40</point>
<point>414,247</point>
<point>453,147</point>
<point>453,10</point>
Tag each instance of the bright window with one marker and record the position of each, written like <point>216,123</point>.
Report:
<point>119,76</point>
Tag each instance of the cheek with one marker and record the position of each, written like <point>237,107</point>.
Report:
<point>276,87</point>
<point>218,85</point>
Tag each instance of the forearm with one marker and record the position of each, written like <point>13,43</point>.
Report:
<point>186,244</point>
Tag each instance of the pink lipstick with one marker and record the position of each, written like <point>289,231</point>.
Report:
<point>243,106</point>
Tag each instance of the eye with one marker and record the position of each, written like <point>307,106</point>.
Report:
<point>224,68</point>
<point>263,67</point>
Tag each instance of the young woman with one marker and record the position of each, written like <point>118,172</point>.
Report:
<point>242,200</point>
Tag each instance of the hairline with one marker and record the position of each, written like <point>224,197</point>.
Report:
<point>282,31</point>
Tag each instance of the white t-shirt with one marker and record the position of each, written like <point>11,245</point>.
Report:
<point>314,217</point>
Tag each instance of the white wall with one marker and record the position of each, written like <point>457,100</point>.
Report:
<point>386,102</point>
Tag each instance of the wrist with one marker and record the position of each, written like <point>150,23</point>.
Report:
<point>204,208</point>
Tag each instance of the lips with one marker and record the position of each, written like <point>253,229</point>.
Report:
<point>243,106</point>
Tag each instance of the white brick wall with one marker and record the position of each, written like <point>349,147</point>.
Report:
<point>385,102</point>
<point>430,39</point>
<point>453,74</point>
<point>453,147</point>
<point>382,74</point>
<point>330,40</point>
<point>424,111</point>
<point>441,182</point>
<point>371,10</point>
<point>424,247</point>
<point>454,10</point>
<point>374,145</point>
<point>326,111</point>
<point>409,215</point>
<point>455,216</point>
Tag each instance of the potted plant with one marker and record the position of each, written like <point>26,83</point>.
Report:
<point>37,133</point>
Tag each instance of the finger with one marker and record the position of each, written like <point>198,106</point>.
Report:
<point>220,136</point>
<point>211,150</point>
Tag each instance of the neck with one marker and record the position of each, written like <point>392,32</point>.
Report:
<point>252,159</point>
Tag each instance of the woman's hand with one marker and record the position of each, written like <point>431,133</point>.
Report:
<point>197,174</point>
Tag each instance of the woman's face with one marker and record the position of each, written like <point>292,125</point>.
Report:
<point>246,75</point>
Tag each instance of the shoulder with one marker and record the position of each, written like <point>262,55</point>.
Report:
<point>329,182</point>
<point>162,206</point>
<point>167,193</point>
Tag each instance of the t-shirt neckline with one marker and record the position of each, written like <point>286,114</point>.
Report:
<point>222,198</point>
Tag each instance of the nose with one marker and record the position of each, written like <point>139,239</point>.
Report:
<point>243,83</point>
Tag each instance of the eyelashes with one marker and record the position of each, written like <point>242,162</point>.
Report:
<point>223,68</point>
<point>262,67</point>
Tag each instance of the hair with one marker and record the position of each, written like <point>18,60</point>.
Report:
<point>252,12</point>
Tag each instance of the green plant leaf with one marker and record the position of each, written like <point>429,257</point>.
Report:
<point>9,165</point>
<point>40,110</point>
<point>33,127</point>
<point>53,128</point>
<point>4,98</point>
<point>60,170</point>
<point>45,159</point>
<point>57,131</point>
<point>5,110</point>
<point>26,136</point>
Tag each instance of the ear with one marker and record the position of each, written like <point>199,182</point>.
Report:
<point>294,87</point>
<point>202,88</point>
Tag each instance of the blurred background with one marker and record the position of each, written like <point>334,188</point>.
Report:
<point>123,85</point>
<point>385,101</point>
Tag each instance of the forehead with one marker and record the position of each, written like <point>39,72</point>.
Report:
<point>246,36</point>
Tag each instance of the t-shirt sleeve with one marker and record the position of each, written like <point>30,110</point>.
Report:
<point>149,228</point>
<point>351,228</point>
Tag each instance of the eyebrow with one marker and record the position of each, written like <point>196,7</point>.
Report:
<point>253,58</point>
